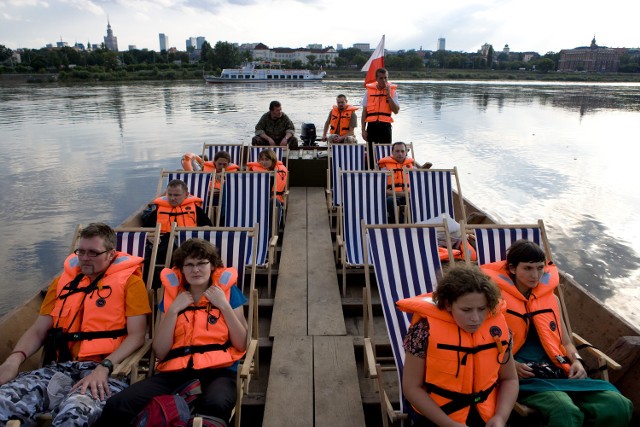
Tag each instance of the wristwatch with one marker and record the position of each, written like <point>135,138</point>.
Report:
<point>107,364</point>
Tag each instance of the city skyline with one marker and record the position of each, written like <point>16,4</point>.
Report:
<point>466,26</point>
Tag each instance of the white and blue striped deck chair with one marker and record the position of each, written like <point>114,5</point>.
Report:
<point>236,248</point>
<point>246,200</point>
<point>236,152</point>
<point>198,182</point>
<point>133,241</point>
<point>380,151</point>
<point>364,199</point>
<point>282,153</point>
<point>406,263</point>
<point>431,193</point>
<point>342,157</point>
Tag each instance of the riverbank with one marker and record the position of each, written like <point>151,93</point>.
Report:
<point>429,74</point>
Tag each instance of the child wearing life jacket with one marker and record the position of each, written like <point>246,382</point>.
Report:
<point>268,161</point>
<point>552,377</point>
<point>458,366</point>
<point>202,335</point>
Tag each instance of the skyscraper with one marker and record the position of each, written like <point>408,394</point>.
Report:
<point>110,41</point>
<point>191,43</point>
<point>441,42</point>
<point>199,41</point>
<point>164,42</point>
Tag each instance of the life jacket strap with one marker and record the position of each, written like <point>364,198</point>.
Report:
<point>459,400</point>
<point>470,350</point>
<point>194,349</point>
<point>94,335</point>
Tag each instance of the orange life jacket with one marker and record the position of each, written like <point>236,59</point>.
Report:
<point>192,162</point>
<point>184,214</point>
<point>281,176</point>
<point>209,166</point>
<point>457,253</point>
<point>340,120</point>
<point>390,164</point>
<point>541,306</point>
<point>378,108</point>
<point>94,315</point>
<point>462,368</point>
<point>201,334</point>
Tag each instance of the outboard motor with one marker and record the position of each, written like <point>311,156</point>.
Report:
<point>308,135</point>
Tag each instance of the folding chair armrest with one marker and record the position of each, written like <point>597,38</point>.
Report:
<point>124,368</point>
<point>611,364</point>
<point>245,370</point>
<point>274,241</point>
<point>370,357</point>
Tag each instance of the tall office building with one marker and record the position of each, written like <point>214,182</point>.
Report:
<point>441,42</point>
<point>164,42</point>
<point>110,41</point>
<point>199,42</point>
<point>191,43</point>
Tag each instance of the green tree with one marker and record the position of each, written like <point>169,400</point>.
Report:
<point>490,57</point>
<point>544,64</point>
<point>225,55</point>
<point>205,52</point>
<point>311,60</point>
<point>5,53</point>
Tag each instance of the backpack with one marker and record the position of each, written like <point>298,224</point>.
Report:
<point>167,410</point>
<point>170,410</point>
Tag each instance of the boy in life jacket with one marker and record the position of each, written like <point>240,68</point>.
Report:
<point>458,366</point>
<point>394,163</point>
<point>221,161</point>
<point>178,206</point>
<point>341,122</point>
<point>202,335</point>
<point>552,377</point>
<point>93,316</point>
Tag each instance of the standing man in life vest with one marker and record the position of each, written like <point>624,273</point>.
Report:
<point>93,316</point>
<point>342,121</point>
<point>178,206</point>
<point>378,103</point>
<point>394,163</point>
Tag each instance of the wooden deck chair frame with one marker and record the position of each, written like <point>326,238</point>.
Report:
<point>381,151</point>
<point>491,248</point>
<point>392,251</point>
<point>282,153</point>
<point>363,200</point>
<point>236,152</point>
<point>233,255</point>
<point>194,181</point>
<point>342,157</point>
<point>268,234</point>
<point>430,192</point>
<point>131,366</point>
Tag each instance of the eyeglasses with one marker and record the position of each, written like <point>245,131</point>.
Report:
<point>200,265</point>
<point>90,253</point>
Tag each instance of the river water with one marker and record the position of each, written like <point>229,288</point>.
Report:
<point>565,153</point>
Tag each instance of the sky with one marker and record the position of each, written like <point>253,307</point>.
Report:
<point>541,26</point>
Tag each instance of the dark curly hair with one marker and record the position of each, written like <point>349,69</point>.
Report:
<point>198,249</point>
<point>462,280</point>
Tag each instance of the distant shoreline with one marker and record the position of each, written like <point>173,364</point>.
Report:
<point>337,75</point>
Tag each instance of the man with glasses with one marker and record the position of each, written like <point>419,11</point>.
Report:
<point>93,316</point>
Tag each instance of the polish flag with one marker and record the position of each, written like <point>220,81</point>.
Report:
<point>375,61</point>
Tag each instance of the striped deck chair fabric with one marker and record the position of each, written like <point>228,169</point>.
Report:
<point>198,184</point>
<point>493,241</point>
<point>233,245</point>
<point>131,242</point>
<point>406,263</point>
<point>236,152</point>
<point>247,202</point>
<point>344,157</point>
<point>430,193</point>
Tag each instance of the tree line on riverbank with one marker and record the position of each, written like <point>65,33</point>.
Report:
<point>101,64</point>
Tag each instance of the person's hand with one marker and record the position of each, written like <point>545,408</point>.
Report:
<point>524,370</point>
<point>496,421</point>
<point>284,141</point>
<point>9,369</point>
<point>577,371</point>
<point>364,135</point>
<point>216,296</point>
<point>97,382</point>
<point>182,301</point>
<point>340,139</point>
<point>271,141</point>
<point>324,137</point>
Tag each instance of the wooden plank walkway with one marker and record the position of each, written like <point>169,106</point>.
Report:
<point>313,356</point>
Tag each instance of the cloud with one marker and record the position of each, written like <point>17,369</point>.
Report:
<point>86,5</point>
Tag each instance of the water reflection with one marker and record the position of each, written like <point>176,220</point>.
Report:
<point>81,153</point>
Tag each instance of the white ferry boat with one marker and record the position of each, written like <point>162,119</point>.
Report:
<point>249,73</point>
